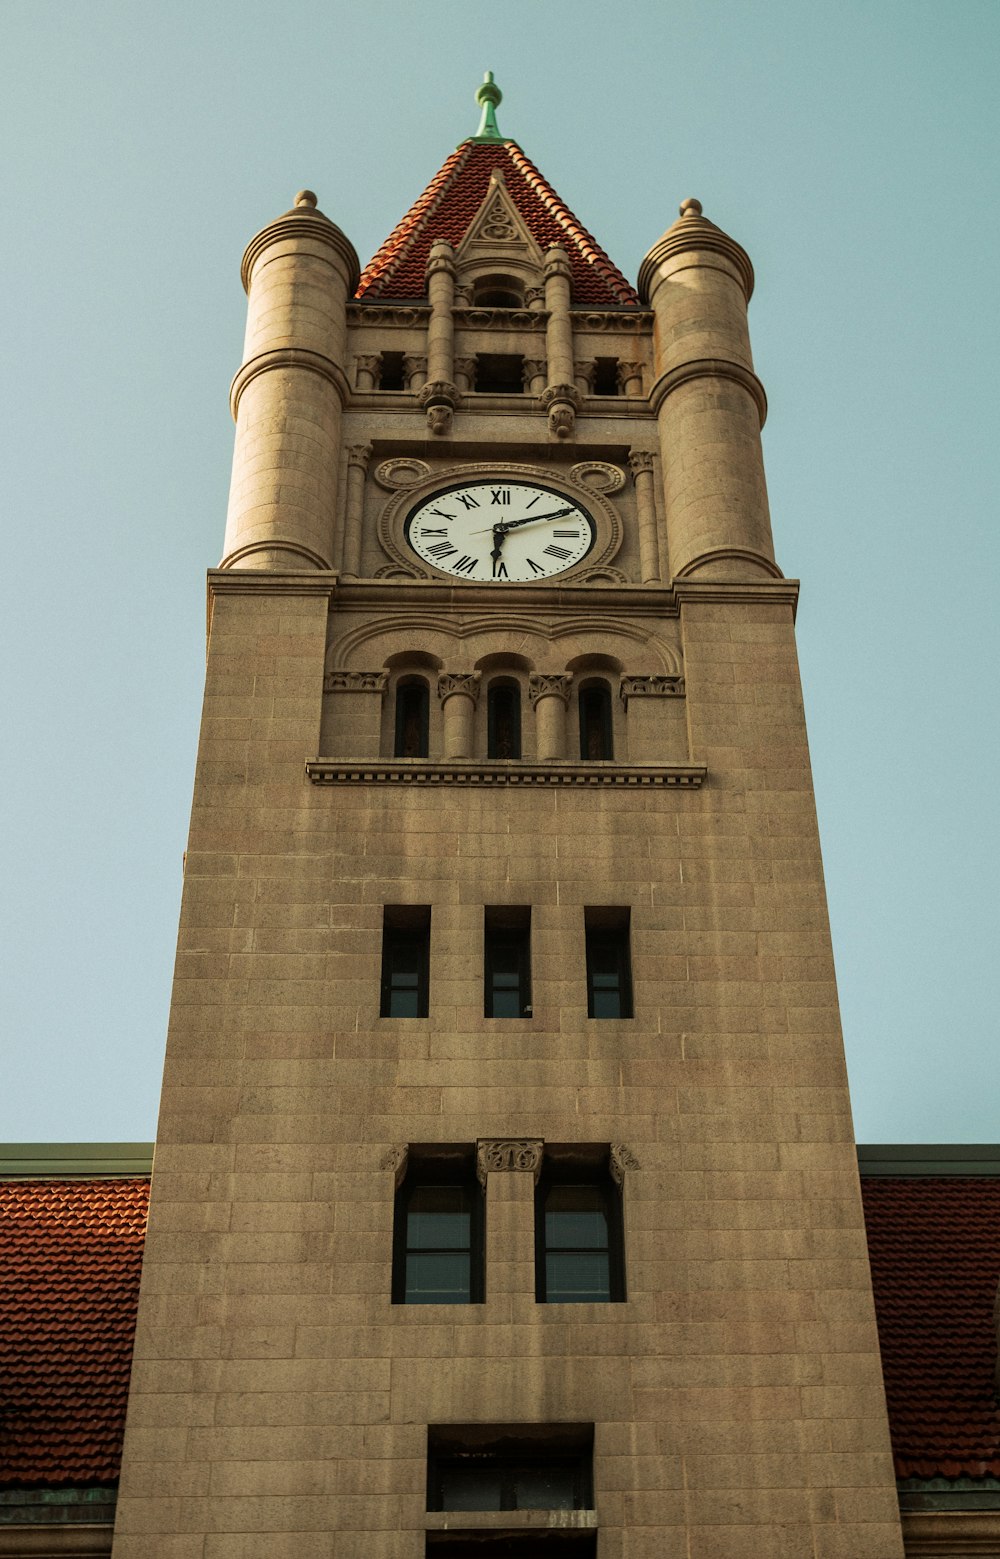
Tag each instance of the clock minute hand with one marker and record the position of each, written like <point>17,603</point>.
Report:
<point>503,526</point>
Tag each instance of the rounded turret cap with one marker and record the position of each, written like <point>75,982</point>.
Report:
<point>304,217</point>
<point>694,231</point>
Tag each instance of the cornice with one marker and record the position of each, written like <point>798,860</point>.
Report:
<point>289,357</point>
<point>710,368</point>
<point>660,602</point>
<point>302,222</point>
<point>251,581</point>
<point>773,592</point>
<point>949,1533</point>
<point>691,235</point>
<point>420,772</point>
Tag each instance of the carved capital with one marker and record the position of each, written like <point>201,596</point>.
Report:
<point>498,1155</point>
<point>534,368</point>
<point>549,685</point>
<point>414,368</point>
<point>629,374</point>
<point>621,1158</point>
<point>358,455</point>
<point>355,682</point>
<point>464,682</point>
<point>442,258</point>
<point>465,370</point>
<point>640,461</point>
<point>534,298</point>
<point>585,370</point>
<point>651,687</point>
<point>557,263</point>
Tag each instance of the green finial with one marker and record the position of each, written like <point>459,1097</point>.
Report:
<point>489,95</point>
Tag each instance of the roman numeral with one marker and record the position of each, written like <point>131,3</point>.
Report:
<point>425,532</point>
<point>441,514</point>
<point>500,495</point>
<point>465,565</point>
<point>574,535</point>
<point>557,552</point>
<point>468,500</point>
<point>500,569</point>
<point>442,549</point>
<point>533,565</point>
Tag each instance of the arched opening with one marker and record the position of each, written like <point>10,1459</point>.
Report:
<point>596,740</point>
<point>503,715</point>
<point>497,292</point>
<point>412,718</point>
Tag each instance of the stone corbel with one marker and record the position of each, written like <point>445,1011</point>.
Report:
<point>439,399</point>
<point>560,402</point>
<point>651,687</point>
<point>504,1154</point>
<point>621,1158</point>
<point>396,1159</point>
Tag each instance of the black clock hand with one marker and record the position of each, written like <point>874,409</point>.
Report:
<point>532,519</point>
<point>496,554</point>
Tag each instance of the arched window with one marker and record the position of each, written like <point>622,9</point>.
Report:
<point>595,721</point>
<point>412,710</point>
<point>503,713</point>
<point>498,292</point>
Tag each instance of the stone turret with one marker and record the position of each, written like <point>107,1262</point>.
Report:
<point>709,402</point>
<point>288,396</point>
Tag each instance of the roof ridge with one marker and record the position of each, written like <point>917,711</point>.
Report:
<point>401,239</point>
<point>568,219</point>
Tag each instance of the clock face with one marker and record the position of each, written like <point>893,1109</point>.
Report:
<point>498,531</point>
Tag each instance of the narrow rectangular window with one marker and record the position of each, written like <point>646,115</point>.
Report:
<point>609,966</point>
<point>438,1230</point>
<point>606,376</point>
<point>507,962</point>
<point>406,937</point>
<point>500,373</point>
<point>579,1254</point>
<point>391,371</point>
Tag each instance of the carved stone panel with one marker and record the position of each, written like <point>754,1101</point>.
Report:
<point>621,1158</point>
<point>651,687</point>
<point>355,682</point>
<point>521,1153</point>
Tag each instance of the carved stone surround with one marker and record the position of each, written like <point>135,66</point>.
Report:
<point>496,1155</point>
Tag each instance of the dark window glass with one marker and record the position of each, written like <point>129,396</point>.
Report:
<point>412,710</point>
<point>595,721</point>
<point>503,1543</point>
<point>390,375</point>
<point>500,373</point>
<point>510,1467</point>
<point>498,292</point>
<point>507,963</point>
<point>503,738</point>
<point>438,1246</point>
<point>609,975</point>
<point>606,376</point>
<point>578,1244</point>
<point>406,935</point>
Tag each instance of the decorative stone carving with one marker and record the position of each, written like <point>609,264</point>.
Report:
<point>442,258</point>
<point>414,371</point>
<point>498,319</point>
<point>439,420</point>
<point>465,372</point>
<point>640,460</point>
<point>630,323</point>
<point>393,474</point>
<point>602,576</point>
<point>651,687</point>
<point>367,370</point>
<point>621,1158</point>
<point>355,681</point>
<point>598,476</point>
<point>585,371</point>
<point>629,376</point>
<point>405,773</point>
<point>396,1160</point>
<point>534,375</point>
<point>549,685</point>
<point>439,399</point>
<point>466,682</point>
<point>389,314</point>
<point>358,455</point>
<point>561,402</point>
<point>497,1156</point>
<point>534,297</point>
<point>496,224</point>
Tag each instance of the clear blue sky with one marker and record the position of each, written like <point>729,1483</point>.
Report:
<point>851,148</point>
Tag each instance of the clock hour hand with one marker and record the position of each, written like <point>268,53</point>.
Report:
<point>496,554</point>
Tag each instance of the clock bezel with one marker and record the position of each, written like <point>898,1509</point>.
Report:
<point>393,519</point>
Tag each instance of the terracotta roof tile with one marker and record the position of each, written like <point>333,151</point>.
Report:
<point>935,1255</point>
<point>450,202</point>
<point>70,1256</point>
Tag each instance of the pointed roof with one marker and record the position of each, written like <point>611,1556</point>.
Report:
<point>453,198</point>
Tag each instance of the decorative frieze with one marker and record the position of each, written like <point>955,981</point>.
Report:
<point>355,681</point>
<point>387,314</point>
<point>651,687</point>
<point>632,322</point>
<point>578,773</point>
<point>498,319</point>
<point>621,1158</point>
<point>500,1155</point>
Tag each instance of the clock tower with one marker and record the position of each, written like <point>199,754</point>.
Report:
<point>505,1199</point>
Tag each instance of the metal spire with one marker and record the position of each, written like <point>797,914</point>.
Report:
<point>489,95</point>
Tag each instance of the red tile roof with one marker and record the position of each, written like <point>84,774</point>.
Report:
<point>935,1255</point>
<point>448,205</point>
<point>70,1255</point>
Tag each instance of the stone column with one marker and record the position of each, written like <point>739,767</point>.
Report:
<point>709,403</point>
<point>641,465</point>
<point>414,372</point>
<point>561,398</point>
<point>367,371</point>
<point>549,697</point>
<point>630,379</point>
<point>439,395</point>
<point>583,375</point>
<point>534,375</point>
<point>288,396</point>
<point>465,373</point>
<point>358,456</point>
<point>459,693</point>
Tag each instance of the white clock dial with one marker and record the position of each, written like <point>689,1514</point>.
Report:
<point>498,531</point>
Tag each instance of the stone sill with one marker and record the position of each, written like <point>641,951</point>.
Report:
<point>417,771</point>
<point>507,1520</point>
